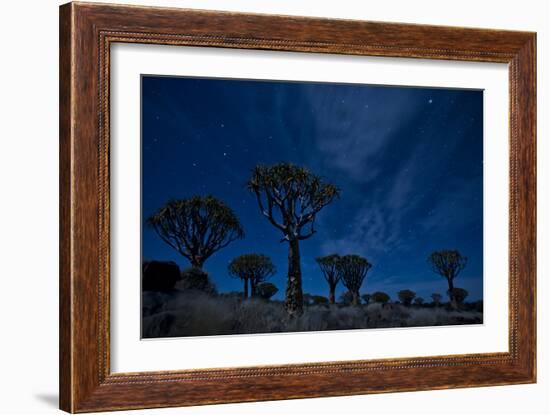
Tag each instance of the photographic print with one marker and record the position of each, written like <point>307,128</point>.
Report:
<point>286,206</point>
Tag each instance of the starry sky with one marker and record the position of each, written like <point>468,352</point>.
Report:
<point>408,161</point>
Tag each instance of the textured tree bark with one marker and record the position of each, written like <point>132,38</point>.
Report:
<point>294,297</point>
<point>245,288</point>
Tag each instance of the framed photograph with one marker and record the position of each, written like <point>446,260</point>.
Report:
<point>258,207</point>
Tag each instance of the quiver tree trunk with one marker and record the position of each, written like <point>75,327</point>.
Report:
<point>332,294</point>
<point>354,298</point>
<point>294,296</point>
<point>452,298</point>
<point>245,288</point>
<point>197,262</point>
<point>253,288</point>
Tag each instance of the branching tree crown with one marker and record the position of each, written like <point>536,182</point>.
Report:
<point>290,197</point>
<point>353,269</point>
<point>196,227</point>
<point>447,263</point>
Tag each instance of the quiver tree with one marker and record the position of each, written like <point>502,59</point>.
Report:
<point>196,227</point>
<point>418,301</point>
<point>448,264</point>
<point>290,197</point>
<point>253,268</point>
<point>406,296</point>
<point>436,298</point>
<point>331,272</point>
<point>353,269</point>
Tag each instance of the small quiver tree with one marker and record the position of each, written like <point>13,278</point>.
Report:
<point>448,264</point>
<point>353,269</point>
<point>331,273</point>
<point>290,197</point>
<point>196,227</point>
<point>406,296</point>
<point>253,268</point>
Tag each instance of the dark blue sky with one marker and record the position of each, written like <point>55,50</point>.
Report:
<point>409,163</point>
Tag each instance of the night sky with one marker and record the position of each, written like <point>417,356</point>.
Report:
<point>409,163</point>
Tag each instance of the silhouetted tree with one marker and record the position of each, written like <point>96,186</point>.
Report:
<point>353,269</point>
<point>449,264</point>
<point>255,268</point>
<point>366,298</point>
<point>290,198</point>
<point>418,301</point>
<point>330,269</point>
<point>380,297</point>
<point>459,294</point>
<point>196,227</point>
<point>436,298</point>
<point>266,290</point>
<point>406,296</point>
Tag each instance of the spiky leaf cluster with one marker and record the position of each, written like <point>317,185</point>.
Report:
<point>196,227</point>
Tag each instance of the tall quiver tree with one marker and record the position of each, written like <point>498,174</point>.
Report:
<point>253,268</point>
<point>290,197</point>
<point>331,272</point>
<point>448,264</point>
<point>196,227</point>
<point>353,269</point>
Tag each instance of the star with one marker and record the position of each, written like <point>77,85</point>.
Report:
<point>225,154</point>
<point>222,125</point>
<point>430,101</point>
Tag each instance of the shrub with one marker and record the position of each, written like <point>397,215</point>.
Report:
<point>319,300</point>
<point>266,290</point>
<point>380,297</point>
<point>418,301</point>
<point>459,294</point>
<point>196,279</point>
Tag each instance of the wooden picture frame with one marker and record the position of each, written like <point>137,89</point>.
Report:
<point>86,33</point>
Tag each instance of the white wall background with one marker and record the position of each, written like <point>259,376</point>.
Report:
<point>29,192</point>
